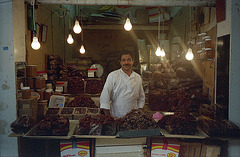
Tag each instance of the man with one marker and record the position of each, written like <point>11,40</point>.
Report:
<point>123,89</point>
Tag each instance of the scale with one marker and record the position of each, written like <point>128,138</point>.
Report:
<point>99,69</point>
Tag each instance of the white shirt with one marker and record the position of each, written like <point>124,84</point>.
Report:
<point>122,93</point>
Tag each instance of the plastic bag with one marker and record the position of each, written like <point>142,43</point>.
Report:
<point>95,129</point>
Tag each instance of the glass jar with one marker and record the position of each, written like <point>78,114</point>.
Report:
<point>26,92</point>
<point>42,74</point>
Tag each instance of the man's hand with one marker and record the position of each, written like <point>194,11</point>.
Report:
<point>106,112</point>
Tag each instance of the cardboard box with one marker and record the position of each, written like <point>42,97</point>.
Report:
<point>27,103</point>
<point>184,149</point>
<point>210,151</point>
<point>75,148</point>
<point>121,151</point>
<point>41,109</point>
<point>165,147</point>
<point>194,149</point>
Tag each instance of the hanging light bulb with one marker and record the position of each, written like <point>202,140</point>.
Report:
<point>82,50</point>
<point>162,53</point>
<point>77,28</point>
<point>70,39</point>
<point>158,51</point>
<point>35,44</point>
<point>189,56</point>
<point>128,25</point>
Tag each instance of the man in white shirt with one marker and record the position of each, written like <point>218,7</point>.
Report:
<point>123,89</point>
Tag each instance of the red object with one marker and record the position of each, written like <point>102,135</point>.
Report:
<point>41,72</point>
<point>59,83</point>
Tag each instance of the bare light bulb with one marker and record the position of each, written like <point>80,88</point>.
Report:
<point>158,51</point>
<point>35,44</point>
<point>77,28</point>
<point>82,50</point>
<point>162,53</point>
<point>128,25</point>
<point>70,39</point>
<point>189,56</point>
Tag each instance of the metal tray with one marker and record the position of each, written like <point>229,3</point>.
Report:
<point>198,135</point>
<point>72,126</point>
<point>140,133</point>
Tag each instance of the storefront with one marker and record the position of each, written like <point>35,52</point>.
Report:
<point>50,38</point>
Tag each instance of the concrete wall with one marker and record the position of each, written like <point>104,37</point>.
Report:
<point>8,146</point>
<point>233,17</point>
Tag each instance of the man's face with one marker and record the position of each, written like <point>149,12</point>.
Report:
<point>126,62</point>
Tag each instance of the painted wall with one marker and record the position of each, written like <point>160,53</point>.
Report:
<point>8,146</point>
<point>51,16</point>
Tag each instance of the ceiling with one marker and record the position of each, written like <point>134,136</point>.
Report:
<point>201,3</point>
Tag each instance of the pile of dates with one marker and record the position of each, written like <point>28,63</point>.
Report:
<point>97,125</point>
<point>76,85</point>
<point>136,119</point>
<point>94,86</point>
<point>82,100</point>
<point>179,123</point>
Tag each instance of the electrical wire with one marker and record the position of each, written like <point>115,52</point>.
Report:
<point>34,27</point>
<point>158,27</point>
<point>82,23</point>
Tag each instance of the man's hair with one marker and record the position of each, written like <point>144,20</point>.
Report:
<point>125,53</point>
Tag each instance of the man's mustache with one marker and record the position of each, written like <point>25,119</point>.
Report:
<point>126,64</point>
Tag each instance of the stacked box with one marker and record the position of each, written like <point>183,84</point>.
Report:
<point>210,150</point>
<point>67,112</point>
<point>93,111</point>
<point>79,113</point>
<point>53,111</point>
<point>28,107</point>
<point>41,109</point>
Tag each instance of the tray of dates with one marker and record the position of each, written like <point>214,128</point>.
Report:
<point>99,126</point>
<point>53,128</point>
<point>79,112</point>
<point>137,123</point>
<point>21,126</point>
<point>180,125</point>
<point>67,112</point>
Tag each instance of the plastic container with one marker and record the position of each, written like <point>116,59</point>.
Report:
<point>49,86</point>
<point>92,72</point>
<point>26,92</point>
<point>60,86</point>
<point>31,70</point>
<point>40,82</point>
<point>57,101</point>
<point>58,92</point>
